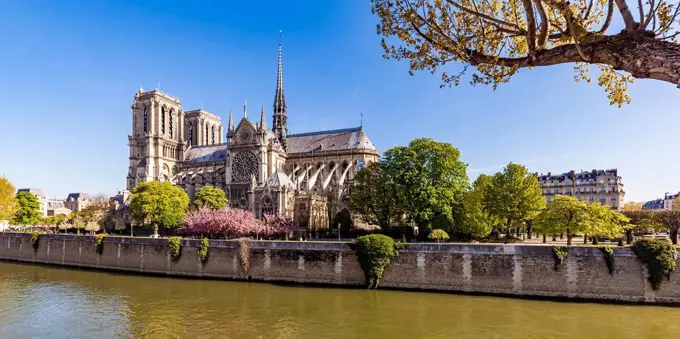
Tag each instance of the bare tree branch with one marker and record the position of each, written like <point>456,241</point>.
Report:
<point>545,25</point>
<point>651,13</point>
<point>531,27</point>
<point>627,16</point>
<point>641,9</point>
<point>608,20</point>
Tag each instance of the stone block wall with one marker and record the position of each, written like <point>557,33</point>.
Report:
<point>521,270</point>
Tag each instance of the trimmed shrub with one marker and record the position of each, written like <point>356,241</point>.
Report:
<point>375,252</point>
<point>35,239</point>
<point>438,234</point>
<point>560,253</point>
<point>608,255</point>
<point>203,252</point>
<point>659,256</point>
<point>174,247</point>
<point>99,243</point>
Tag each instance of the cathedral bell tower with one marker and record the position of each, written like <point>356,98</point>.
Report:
<point>156,143</point>
<point>280,126</point>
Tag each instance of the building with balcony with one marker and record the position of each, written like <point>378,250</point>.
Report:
<point>603,186</point>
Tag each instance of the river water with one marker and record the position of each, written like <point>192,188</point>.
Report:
<point>46,302</point>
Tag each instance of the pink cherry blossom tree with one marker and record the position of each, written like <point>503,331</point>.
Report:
<point>230,222</point>
<point>277,224</point>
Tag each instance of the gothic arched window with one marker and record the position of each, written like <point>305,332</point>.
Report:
<point>145,119</point>
<point>191,134</point>
<point>267,205</point>
<point>213,134</point>
<point>163,120</point>
<point>170,125</point>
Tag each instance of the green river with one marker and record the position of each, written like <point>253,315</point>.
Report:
<point>45,302</point>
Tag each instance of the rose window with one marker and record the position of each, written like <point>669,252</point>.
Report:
<point>244,166</point>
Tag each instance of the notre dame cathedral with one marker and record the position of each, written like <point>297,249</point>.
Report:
<point>306,176</point>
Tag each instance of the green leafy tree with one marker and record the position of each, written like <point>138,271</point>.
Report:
<point>8,201</point>
<point>640,221</point>
<point>430,181</point>
<point>477,222</point>
<point>563,214</point>
<point>602,221</point>
<point>158,204</point>
<point>211,197</point>
<point>374,197</point>
<point>514,196</point>
<point>28,211</point>
<point>669,220</point>
<point>500,37</point>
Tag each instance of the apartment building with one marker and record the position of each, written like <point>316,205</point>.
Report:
<point>665,204</point>
<point>603,186</point>
<point>76,202</point>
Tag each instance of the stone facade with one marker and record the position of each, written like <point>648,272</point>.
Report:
<point>518,270</point>
<point>76,202</point>
<point>665,204</point>
<point>267,171</point>
<point>603,186</point>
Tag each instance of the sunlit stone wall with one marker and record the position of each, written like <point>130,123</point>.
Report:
<point>490,269</point>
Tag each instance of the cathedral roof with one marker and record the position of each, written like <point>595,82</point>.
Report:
<point>279,179</point>
<point>334,140</point>
<point>209,153</point>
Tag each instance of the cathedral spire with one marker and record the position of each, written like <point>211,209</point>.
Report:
<point>230,127</point>
<point>263,125</point>
<point>245,109</point>
<point>279,124</point>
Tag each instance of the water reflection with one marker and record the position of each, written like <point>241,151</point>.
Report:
<point>44,302</point>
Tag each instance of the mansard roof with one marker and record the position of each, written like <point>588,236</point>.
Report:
<point>77,196</point>
<point>205,154</point>
<point>333,140</point>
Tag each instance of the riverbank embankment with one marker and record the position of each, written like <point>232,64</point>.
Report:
<point>516,270</point>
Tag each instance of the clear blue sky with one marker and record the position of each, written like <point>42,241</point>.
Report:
<point>70,70</point>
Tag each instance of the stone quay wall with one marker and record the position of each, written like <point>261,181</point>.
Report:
<point>519,270</point>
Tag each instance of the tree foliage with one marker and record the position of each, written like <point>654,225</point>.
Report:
<point>211,197</point>
<point>477,222</point>
<point>500,37</point>
<point>632,206</point>
<point>567,215</point>
<point>514,196</point>
<point>277,223</point>
<point>430,182</point>
<point>226,221</point>
<point>659,256</point>
<point>374,197</point>
<point>8,201</point>
<point>159,204</point>
<point>670,221</point>
<point>438,234</point>
<point>28,211</point>
<point>375,252</point>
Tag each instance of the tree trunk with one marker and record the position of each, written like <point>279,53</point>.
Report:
<point>554,237</point>
<point>568,237</point>
<point>529,225</point>
<point>674,236</point>
<point>544,238</point>
<point>155,230</point>
<point>517,232</point>
<point>561,236</point>
<point>585,239</point>
<point>629,237</point>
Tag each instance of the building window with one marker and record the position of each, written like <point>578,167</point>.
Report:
<point>213,134</point>
<point>170,125</point>
<point>206,134</point>
<point>163,120</point>
<point>191,134</point>
<point>145,119</point>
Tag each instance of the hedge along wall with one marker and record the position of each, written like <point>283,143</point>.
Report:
<point>493,269</point>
